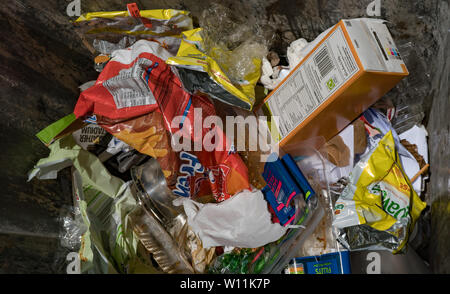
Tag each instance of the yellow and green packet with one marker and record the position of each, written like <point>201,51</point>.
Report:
<point>379,207</point>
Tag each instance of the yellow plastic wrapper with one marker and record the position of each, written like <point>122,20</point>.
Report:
<point>200,70</point>
<point>379,207</point>
<point>113,30</point>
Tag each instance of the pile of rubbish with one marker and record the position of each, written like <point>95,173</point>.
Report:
<point>161,184</point>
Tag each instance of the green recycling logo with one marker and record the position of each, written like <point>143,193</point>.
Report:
<point>331,84</point>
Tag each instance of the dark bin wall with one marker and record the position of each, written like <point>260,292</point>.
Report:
<point>42,62</point>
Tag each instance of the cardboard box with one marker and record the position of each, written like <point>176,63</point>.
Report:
<point>349,69</point>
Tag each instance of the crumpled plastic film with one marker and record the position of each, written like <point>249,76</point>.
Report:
<point>161,227</point>
<point>108,30</point>
<point>109,244</point>
<point>107,48</point>
<point>232,41</point>
<point>223,57</point>
<point>73,228</point>
<point>200,257</point>
<point>226,30</point>
<point>379,207</point>
<point>410,93</point>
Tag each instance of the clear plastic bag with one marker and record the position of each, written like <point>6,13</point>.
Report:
<point>223,57</point>
<point>233,40</point>
<point>273,258</point>
<point>162,227</point>
<point>324,238</point>
<point>410,95</point>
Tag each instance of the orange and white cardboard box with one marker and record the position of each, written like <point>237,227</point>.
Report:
<point>350,68</point>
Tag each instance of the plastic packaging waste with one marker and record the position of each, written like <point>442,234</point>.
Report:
<point>139,100</point>
<point>162,227</point>
<point>377,125</point>
<point>223,57</point>
<point>273,257</point>
<point>200,72</point>
<point>379,207</point>
<point>109,31</point>
<point>104,201</point>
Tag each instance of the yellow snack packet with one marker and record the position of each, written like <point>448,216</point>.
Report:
<point>379,207</point>
<point>112,30</point>
<point>200,71</point>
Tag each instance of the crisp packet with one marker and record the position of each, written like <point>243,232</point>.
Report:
<point>194,174</point>
<point>127,86</point>
<point>119,29</point>
<point>148,135</point>
<point>200,72</point>
<point>205,167</point>
<point>139,100</point>
<point>379,207</point>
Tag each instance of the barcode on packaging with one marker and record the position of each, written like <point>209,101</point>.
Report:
<point>324,62</point>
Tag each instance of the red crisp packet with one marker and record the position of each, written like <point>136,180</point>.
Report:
<point>127,86</point>
<point>222,173</point>
<point>137,100</point>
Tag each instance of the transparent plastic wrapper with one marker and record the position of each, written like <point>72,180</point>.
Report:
<point>407,116</point>
<point>73,229</point>
<point>107,48</point>
<point>409,95</point>
<point>200,72</point>
<point>108,245</point>
<point>162,227</point>
<point>233,41</point>
<point>317,168</point>
<point>274,257</point>
<point>73,225</point>
<point>109,31</point>
<point>223,57</point>
<point>323,240</point>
